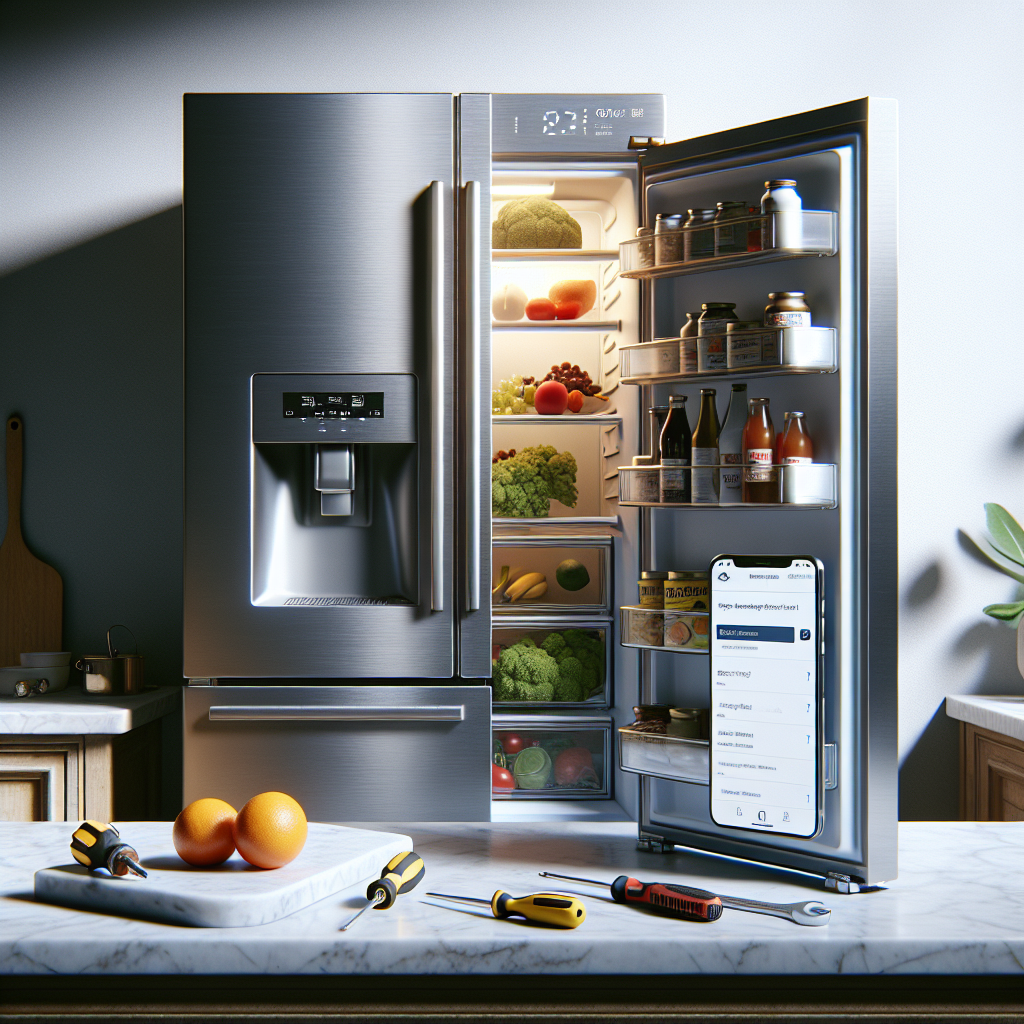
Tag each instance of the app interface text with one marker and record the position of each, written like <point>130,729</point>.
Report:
<point>764,713</point>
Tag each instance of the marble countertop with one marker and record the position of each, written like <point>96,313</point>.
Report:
<point>997,714</point>
<point>912,927</point>
<point>75,713</point>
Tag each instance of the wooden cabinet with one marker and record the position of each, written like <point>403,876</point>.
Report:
<point>61,778</point>
<point>991,775</point>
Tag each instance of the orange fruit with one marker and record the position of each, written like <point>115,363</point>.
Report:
<point>203,832</point>
<point>270,830</point>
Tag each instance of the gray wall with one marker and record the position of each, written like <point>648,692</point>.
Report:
<point>90,250</point>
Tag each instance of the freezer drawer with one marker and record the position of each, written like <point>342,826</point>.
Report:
<point>366,753</point>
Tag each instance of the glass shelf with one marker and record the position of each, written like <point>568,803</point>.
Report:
<point>667,757</point>
<point>556,325</point>
<point>638,257</point>
<point>765,351</point>
<point>811,485</point>
<point>565,417</point>
<point>552,255</point>
<point>656,629</point>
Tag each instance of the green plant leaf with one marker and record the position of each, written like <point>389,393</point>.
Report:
<point>1007,535</point>
<point>999,561</point>
<point>1011,613</point>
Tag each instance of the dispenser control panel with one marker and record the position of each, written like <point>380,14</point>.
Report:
<point>334,404</point>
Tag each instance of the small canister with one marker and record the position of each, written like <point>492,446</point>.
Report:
<point>686,609</point>
<point>715,317</point>
<point>787,309</point>
<point>645,248</point>
<point>688,343</point>
<point>652,589</point>
<point>699,245</point>
<point>730,229</point>
<point>688,723</point>
<point>743,344</point>
<point>784,223</point>
<point>668,238</point>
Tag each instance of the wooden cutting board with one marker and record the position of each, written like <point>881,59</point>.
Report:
<point>230,895</point>
<point>31,592</point>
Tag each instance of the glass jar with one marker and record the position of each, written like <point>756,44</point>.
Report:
<point>730,229</point>
<point>715,317</point>
<point>645,249</point>
<point>668,239</point>
<point>784,228</point>
<point>787,309</point>
<point>699,245</point>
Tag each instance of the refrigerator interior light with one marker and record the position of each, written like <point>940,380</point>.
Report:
<point>508,191</point>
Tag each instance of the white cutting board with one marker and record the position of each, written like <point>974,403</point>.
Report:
<point>230,895</point>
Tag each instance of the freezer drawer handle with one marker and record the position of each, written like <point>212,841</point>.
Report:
<point>336,713</point>
<point>438,395</point>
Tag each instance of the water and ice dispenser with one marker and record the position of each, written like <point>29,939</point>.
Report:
<point>334,490</point>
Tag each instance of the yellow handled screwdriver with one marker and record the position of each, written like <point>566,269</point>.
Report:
<point>98,845</point>
<point>402,873</point>
<point>554,908</point>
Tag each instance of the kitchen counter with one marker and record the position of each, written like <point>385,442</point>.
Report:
<point>72,712</point>
<point>997,714</point>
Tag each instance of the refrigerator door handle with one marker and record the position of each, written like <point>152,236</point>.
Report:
<point>336,713</point>
<point>473,389</point>
<point>437,404</point>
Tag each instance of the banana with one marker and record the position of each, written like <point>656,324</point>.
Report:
<point>520,586</point>
<point>499,588</point>
<point>508,577</point>
<point>535,592</point>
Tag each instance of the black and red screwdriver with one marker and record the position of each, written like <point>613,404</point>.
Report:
<point>675,900</point>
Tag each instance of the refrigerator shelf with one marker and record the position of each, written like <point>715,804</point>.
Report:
<point>566,417</point>
<point>556,325</point>
<point>559,523</point>
<point>658,629</point>
<point>638,256</point>
<point>811,485</point>
<point>552,255</point>
<point>763,352</point>
<point>666,757</point>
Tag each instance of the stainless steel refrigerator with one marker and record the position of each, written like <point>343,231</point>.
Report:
<point>341,546</point>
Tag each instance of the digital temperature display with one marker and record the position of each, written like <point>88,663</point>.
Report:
<point>584,121</point>
<point>334,404</point>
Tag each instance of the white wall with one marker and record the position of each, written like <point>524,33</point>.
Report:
<point>91,143</point>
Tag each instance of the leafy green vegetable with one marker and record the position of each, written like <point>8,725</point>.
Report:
<point>522,487</point>
<point>524,672</point>
<point>1007,535</point>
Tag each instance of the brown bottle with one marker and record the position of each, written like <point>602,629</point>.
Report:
<point>760,477</point>
<point>796,443</point>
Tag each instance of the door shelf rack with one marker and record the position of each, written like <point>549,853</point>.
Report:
<point>648,629</point>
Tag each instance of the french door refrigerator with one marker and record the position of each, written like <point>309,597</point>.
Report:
<point>358,366</point>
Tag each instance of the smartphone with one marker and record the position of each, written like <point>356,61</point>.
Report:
<point>767,664</point>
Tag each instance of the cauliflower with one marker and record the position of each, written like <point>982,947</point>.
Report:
<point>535,223</point>
<point>524,672</point>
<point>522,487</point>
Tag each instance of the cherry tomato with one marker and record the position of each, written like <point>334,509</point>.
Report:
<point>502,778</point>
<point>575,401</point>
<point>511,742</point>
<point>551,398</point>
<point>568,309</point>
<point>540,309</point>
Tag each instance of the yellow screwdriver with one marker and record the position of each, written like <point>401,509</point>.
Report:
<point>98,845</point>
<point>554,908</point>
<point>402,873</point>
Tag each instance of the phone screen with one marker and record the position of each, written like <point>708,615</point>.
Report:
<point>766,739</point>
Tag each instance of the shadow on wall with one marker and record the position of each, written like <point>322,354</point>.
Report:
<point>929,777</point>
<point>92,360</point>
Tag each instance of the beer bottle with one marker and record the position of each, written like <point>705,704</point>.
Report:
<point>674,449</point>
<point>730,444</point>
<point>760,477</point>
<point>705,485</point>
<point>796,443</point>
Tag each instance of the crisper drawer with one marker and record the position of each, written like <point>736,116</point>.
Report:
<point>551,757</point>
<point>668,757</point>
<point>352,753</point>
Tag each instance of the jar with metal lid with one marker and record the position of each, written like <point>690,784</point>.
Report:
<point>687,590</point>
<point>645,248</point>
<point>699,245</point>
<point>716,316</point>
<point>668,238</point>
<point>787,309</point>
<point>652,589</point>
<point>688,723</point>
<point>784,226</point>
<point>743,344</point>
<point>730,229</point>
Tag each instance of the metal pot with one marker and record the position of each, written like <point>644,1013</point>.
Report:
<point>112,674</point>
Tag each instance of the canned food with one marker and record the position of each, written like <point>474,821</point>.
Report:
<point>686,591</point>
<point>688,723</point>
<point>646,628</point>
<point>652,589</point>
<point>699,245</point>
<point>645,248</point>
<point>668,248</point>
<point>686,629</point>
<point>716,316</point>
<point>787,309</point>
<point>744,344</point>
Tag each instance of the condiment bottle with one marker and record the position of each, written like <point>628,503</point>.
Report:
<point>730,445</point>
<point>730,236</point>
<point>704,452</point>
<point>760,478</point>
<point>778,439</point>
<point>688,343</point>
<point>797,447</point>
<point>784,228</point>
<point>699,245</point>
<point>675,447</point>
<point>668,238</point>
<point>787,309</point>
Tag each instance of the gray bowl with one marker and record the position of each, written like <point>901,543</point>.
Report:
<point>46,659</point>
<point>10,676</point>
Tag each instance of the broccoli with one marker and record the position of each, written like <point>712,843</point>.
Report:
<point>580,659</point>
<point>524,672</point>
<point>570,685</point>
<point>535,223</point>
<point>522,486</point>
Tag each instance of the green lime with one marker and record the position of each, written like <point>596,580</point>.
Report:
<point>572,575</point>
<point>533,768</point>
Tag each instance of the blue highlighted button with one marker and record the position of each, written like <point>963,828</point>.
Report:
<point>766,634</point>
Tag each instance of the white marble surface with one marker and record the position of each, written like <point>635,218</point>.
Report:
<point>73,712</point>
<point>1004,715</point>
<point>957,908</point>
<point>229,895</point>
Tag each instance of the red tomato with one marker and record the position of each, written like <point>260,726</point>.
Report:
<point>540,309</point>
<point>551,398</point>
<point>511,742</point>
<point>575,401</point>
<point>502,778</point>
<point>569,309</point>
